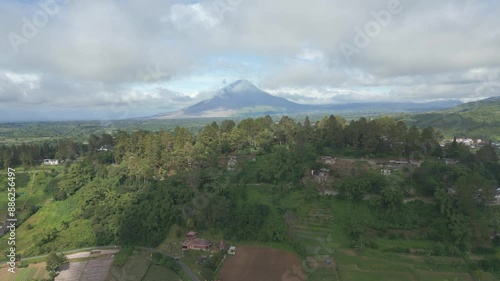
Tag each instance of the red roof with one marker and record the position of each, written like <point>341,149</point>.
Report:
<point>200,242</point>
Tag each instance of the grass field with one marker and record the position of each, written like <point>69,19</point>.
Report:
<point>32,272</point>
<point>78,234</point>
<point>74,233</point>
<point>30,184</point>
<point>135,268</point>
<point>122,256</point>
<point>156,273</point>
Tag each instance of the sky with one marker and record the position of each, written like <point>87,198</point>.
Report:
<point>100,59</point>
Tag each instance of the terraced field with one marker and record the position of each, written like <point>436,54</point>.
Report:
<point>156,272</point>
<point>32,272</point>
<point>373,264</point>
<point>95,270</point>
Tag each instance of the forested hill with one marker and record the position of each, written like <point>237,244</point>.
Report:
<point>481,110</point>
<point>478,119</point>
<point>361,137</point>
<point>132,188</point>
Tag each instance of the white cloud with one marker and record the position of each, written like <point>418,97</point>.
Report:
<point>310,54</point>
<point>100,52</point>
<point>187,15</point>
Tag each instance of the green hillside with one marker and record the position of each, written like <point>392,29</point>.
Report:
<point>479,119</point>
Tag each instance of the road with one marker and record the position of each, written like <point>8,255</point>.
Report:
<point>73,251</point>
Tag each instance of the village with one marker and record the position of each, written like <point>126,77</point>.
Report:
<point>325,177</point>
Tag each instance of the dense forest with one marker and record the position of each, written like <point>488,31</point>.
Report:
<point>180,146</point>
<point>145,182</point>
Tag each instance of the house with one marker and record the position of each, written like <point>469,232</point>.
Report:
<point>399,161</point>
<point>50,162</point>
<point>323,173</point>
<point>232,162</point>
<point>450,161</point>
<point>416,163</point>
<point>194,243</point>
<point>232,250</point>
<point>320,176</point>
<point>105,147</point>
<point>385,172</point>
<point>328,159</point>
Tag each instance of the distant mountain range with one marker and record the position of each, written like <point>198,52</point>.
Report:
<point>242,98</point>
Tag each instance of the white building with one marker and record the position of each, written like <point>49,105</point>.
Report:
<point>50,162</point>
<point>385,172</point>
<point>232,250</point>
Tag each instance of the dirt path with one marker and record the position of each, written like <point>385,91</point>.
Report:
<point>32,181</point>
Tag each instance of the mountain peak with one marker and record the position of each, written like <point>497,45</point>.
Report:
<point>239,86</point>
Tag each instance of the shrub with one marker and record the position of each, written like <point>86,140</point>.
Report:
<point>483,251</point>
<point>371,245</point>
<point>397,250</point>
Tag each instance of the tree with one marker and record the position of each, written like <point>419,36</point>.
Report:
<point>444,202</point>
<point>355,189</point>
<point>456,150</point>
<point>307,128</point>
<point>78,175</point>
<point>227,126</point>
<point>487,153</point>
<point>392,197</point>
<point>429,139</point>
<point>473,190</point>
<point>412,147</point>
<point>53,261</point>
<point>356,228</point>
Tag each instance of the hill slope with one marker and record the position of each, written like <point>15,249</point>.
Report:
<point>478,119</point>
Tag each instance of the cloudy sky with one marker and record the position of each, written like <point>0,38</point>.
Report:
<point>100,59</point>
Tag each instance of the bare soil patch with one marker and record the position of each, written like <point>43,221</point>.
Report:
<point>263,264</point>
